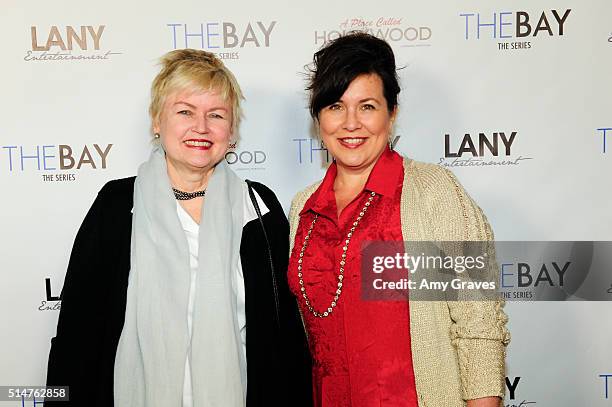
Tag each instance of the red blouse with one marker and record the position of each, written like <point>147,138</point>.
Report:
<point>361,351</point>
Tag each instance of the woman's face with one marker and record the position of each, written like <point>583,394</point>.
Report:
<point>195,129</point>
<point>356,128</point>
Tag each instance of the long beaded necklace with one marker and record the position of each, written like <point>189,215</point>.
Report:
<point>342,261</point>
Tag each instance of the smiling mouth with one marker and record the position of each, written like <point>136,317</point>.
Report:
<point>352,141</point>
<point>203,144</point>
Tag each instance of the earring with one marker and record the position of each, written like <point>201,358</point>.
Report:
<point>156,135</point>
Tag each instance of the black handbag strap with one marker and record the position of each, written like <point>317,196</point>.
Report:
<point>269,250</point>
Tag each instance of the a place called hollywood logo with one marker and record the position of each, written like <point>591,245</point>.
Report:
<point>512,386</point>
<point>242,160</point>
<point>604,131</point>
<point>223,38</point>
<point>51,302</point>
<point>395,30</point>
<point>68,43</point>
<point>514,30</point>
<point>483,150</point>
<point>18,159</point>
<point>311,150</point>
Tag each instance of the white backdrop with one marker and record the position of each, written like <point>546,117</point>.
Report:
<point>552,89</point>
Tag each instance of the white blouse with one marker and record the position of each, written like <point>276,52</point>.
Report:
<point>192,230</point>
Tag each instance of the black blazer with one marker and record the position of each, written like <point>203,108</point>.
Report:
<point>93,297</point>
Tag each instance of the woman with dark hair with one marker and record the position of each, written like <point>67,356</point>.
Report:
<point>383,353</point>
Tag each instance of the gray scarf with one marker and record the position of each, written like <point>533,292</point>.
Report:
<point>150,361</point>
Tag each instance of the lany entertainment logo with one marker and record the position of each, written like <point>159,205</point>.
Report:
<point>51,302</point>
<point>512,387</point>
<point>68,44</point>
<point>492,150</point>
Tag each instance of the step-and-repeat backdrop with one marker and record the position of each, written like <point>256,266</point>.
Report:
<point>513,96</point>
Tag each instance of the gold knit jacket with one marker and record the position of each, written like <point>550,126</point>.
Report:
<point>458,347</point>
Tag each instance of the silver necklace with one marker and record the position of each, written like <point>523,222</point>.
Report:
<point>342,261</point>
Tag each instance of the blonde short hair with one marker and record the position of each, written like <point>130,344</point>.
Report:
<point>190,69</point>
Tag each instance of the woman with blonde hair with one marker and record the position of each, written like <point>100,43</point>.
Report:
<point>176,292</point>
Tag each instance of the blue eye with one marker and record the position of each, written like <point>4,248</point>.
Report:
<point>216,116</point>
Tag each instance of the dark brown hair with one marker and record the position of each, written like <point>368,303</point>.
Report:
<point>340,61</point>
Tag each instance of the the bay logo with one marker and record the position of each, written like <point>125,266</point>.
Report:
<point>514,30</point>
<point>312,150</point>
<point>604,132</point>
<point>46,158</point>
<point>223,38</point>
<point>605,378</point>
